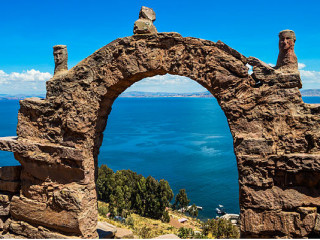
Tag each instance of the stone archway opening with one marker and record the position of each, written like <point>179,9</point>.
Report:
<point>184,140</point>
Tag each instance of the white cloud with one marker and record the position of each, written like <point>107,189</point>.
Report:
<point>167,83</point>
<point>250,68</point>
<point>30,81</point>
<point>271,64</point>
<point>310,79</point>
<point>301,65</point>
<point>25,76</point>
<point>178,84</point>
<point>165,79</point>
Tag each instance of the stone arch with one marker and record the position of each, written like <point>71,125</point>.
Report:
<point>276,136</point>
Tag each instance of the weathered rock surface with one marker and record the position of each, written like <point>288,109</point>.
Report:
<point>5,200</point>
<point>123,233</point>
<point>167,236</point>
<point>25,230</point>
<point>276,136</point>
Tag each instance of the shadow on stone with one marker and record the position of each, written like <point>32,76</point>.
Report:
<point>106,230</point>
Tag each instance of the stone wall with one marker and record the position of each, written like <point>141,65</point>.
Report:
<point>9,187</point>
<point>275,134</point>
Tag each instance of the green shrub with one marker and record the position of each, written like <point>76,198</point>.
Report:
<point>145,232</point>
<point>130,221</point>
<point>165,217</point>
<point>220,228</point>
<point>103,211</point>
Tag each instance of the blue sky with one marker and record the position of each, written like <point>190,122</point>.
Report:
<point>29,29</point>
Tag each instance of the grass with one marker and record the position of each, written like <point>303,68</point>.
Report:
<point>149,228</point>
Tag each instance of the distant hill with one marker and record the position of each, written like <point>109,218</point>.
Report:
<point>19,96</point>
<point>310,92</point>
<point>136,94</point>
<point>164,94</point>
<point>305,93</point>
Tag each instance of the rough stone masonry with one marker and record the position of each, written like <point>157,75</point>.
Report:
<point>275,134</point>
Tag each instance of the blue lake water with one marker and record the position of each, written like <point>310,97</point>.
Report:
<point>183,140</point>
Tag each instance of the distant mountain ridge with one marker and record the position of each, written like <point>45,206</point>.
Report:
<point>137,94</point>
<point>20,96</point>
<point>206,94</point>
<point>310,92</point>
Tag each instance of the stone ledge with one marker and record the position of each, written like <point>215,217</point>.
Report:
<point>15,145</point>
<point>277,198</point>
<point>297,162</point>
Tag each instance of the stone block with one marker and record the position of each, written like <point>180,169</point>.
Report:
<point>68,199</point>
<point>276,198</point>
<point>123,233</point>
<point>317,223</point>
<point>307,210</point>
<point>9,186</point>
<point>57,172</point>
<point>1,224</point>
<point>167,236</point>
<point>144,26</point>
<point>259,146</point>
<point>106,230</point>
<point>4,204</point>
<point>147,13</point>
<point>10,173</point>
<point>289,224</point>
<point>29,231</point>
<point>39,213</point>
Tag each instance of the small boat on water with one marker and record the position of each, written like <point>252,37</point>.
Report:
<point>220,210</point>
<point>182,209</point>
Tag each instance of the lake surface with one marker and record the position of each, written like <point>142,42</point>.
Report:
<point>185,141</point>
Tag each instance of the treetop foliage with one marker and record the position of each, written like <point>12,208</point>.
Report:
<point>126,191</point>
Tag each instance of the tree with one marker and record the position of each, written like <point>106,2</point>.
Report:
<point>126,191</point>
<point>193,211</point>
<point>185,233</point>
<point>220,228</point>
<point>105,183</point>
<point>181,201</point>
<point>165,217</point>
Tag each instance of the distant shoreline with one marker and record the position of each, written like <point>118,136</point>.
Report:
<point>304,93</point>
<point>136,94</point>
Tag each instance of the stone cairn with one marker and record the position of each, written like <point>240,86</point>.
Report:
<point>144,25</point>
